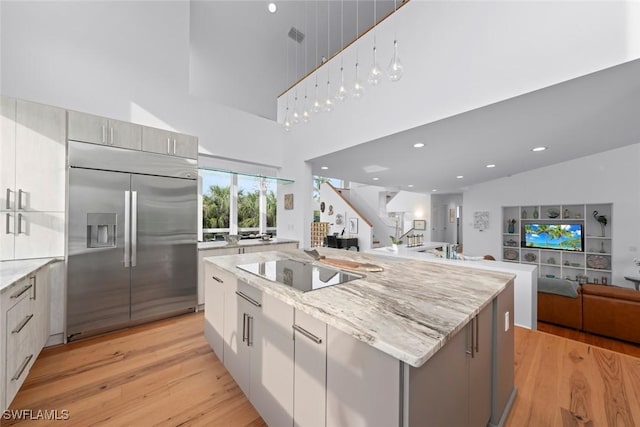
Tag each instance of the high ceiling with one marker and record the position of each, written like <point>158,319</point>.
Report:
<point>583,116</point>
<point>242,56</point>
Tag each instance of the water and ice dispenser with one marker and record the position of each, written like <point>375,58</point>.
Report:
<point>101,230</point>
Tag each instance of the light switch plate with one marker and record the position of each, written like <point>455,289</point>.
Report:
<point>506,321</point>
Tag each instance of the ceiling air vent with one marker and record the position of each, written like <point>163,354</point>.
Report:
<point>296,35</point>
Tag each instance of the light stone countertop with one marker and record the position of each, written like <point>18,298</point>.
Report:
<point>14,271</point>
<point>243,243</point>
<point>409,311</point>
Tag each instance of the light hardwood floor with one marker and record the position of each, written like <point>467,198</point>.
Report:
<point>165,374</point>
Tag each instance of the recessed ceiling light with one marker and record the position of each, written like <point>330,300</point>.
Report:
<point>539,149</point>
<point>418,145</point>
<point>460,176</point>
<point>434,190</point>
<point>324,168</point>
<point>410,185</point>
<point>272,7</point>
<point>375,178</point>
<point>491,166</point>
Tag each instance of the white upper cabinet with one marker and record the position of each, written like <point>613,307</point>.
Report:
<point>40,158</point>
<point>99,130</point>
<point>166,142</point>
<point>7,152</point>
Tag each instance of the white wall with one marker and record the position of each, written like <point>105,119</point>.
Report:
<point>331,198</point>
<point>371,201</point>
<point>609,177</point>
<point>446,202</point>
<point>414,206</point>
<point>127,60</point>
<point>464,55</point>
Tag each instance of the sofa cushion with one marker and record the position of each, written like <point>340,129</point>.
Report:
<point>612,292</point>
<point>567,288</point>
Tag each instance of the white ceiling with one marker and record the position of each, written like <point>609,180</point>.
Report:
<point>241,54</point>
<point>583,116</point>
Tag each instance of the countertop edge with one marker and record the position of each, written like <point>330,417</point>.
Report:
<point>31,266</point>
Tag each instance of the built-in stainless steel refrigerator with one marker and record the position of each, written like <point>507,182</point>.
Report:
<point>132,238</point>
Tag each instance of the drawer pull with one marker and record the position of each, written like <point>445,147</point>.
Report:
<point>22,324</point>
<point>217,279</point>
<point>307,334</point>
<point>21,292</point>
<point>248,298</point>
<point>22,367</point>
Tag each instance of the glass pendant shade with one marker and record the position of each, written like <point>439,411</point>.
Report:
<point>328,103</point>
<point>342,93</point>
<point>306,115</point>
<point>375,75</point>
<point>395,70</point>
<point>295,117</point>
<point>316,107</point>
<point>286,123</point>
<point>358,90</point>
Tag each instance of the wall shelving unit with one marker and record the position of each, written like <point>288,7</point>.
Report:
<point>593,265</point>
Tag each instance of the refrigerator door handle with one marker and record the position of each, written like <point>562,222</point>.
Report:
<point>134,228</point>
<point>127,219</point>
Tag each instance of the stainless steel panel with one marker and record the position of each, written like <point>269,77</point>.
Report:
<point>92,156</point>
<point>164,279</point>
<point>98,281</point>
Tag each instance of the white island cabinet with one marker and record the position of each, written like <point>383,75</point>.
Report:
<point>396,348</point>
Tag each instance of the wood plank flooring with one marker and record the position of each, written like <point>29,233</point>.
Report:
<point>165,374</point>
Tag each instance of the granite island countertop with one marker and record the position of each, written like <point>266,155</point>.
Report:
<point>409,311</point>
<point>14,271</point>
<point>243,243</point>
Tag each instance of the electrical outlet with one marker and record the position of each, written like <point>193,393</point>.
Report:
<point>506,321</point>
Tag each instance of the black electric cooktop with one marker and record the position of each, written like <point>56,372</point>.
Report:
<point>304,276</point>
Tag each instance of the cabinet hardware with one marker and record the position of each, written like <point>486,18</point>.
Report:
<point>477,334</point>
<point>19,223</point>
<point>217,279</point>
<point>111,134</point>
<point>249,330</point>
<point>22,367</point>
<point>174,147</point>
<point>248,298</point>
<point>32,280</point>
<point>8,223</point>
<point>22,324</point>
<point>20,192</point>
<point>104,134</point>
<point>168,145</point>
<point>470,339</point>
<point>21,292</point>
<point>8,198</point>
<point>307,334</point>
<point>244,327</point>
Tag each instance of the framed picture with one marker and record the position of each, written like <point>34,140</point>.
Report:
<point>419,224</point>
<point>288,201</point>
<point>481,220</point>
<point>353,225</point>
<point>452,215</point>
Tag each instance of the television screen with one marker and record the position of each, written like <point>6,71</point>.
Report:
<point>566,237</point>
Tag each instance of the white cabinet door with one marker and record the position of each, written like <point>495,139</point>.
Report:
<point>40,157</point>
<point>310,370</point>
<point>7,236</point>
<point>125,135</point>
<point>157,140</point>
<point>272,362</point>
<point>480,370</point>
<point>88,128</point>
<point>40,299</point>
<point>7,153</point>
<point>186,146</point>
<point>362,383</point>
<point>214,307</point>
<point>39,234</point>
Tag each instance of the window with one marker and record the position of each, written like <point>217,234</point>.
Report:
<point>252,193</point>
<point>319,180</point>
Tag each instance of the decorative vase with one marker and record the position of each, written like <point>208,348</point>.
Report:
<point>511,228</point>
<point>524,214</point>
<point>394,247</point>
<point>535,213</point>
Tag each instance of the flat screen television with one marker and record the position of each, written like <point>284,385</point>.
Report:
<point>567,237</point>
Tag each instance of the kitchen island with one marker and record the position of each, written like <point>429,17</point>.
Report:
<point>416,344</point>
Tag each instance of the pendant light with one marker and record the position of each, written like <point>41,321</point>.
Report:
<point>316,106</point>
<point>375,75</point>
<point>286,122</point>
<point>342,93</point>
<point>358,89</point>
<point>395,69</point>
<point>296,117</point>
<point>328,103</point>
<point>306,115</point>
